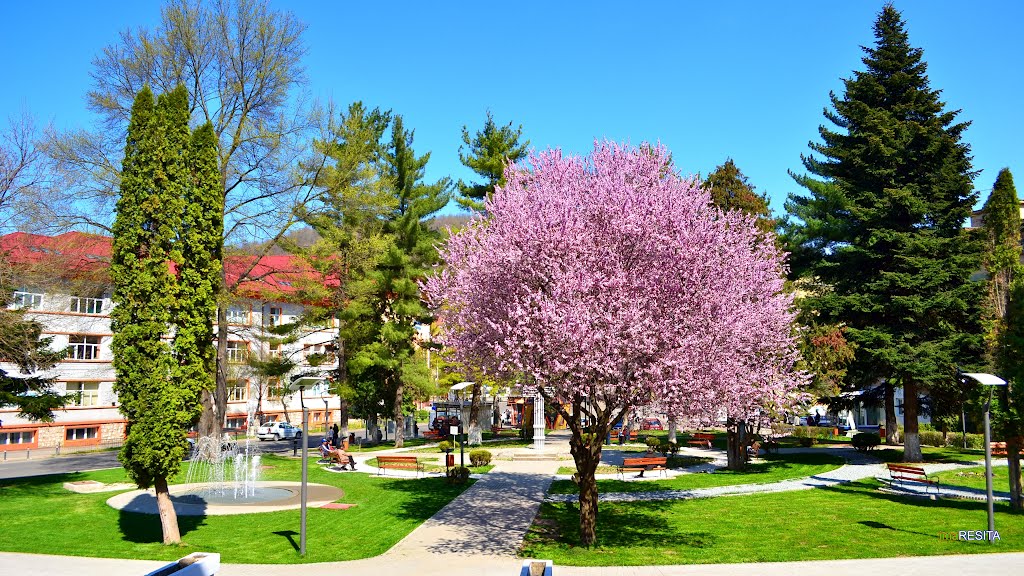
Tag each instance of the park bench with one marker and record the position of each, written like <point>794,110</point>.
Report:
<point>499,431</point>
<point>701,440</point>
<point>905,473</point>
<point>399,463</point>
<point>432,434</point>
<point>616,433</point>
<point>642,465</point>
<point>999,449</point>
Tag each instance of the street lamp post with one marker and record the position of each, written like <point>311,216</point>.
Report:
<point>300,384</point>
<point>989,380</point>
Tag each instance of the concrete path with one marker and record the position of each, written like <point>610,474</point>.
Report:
<point>480,532</point>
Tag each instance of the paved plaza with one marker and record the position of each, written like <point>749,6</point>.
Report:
<point>480,532</point>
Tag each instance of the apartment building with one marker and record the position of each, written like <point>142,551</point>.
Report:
<point>64,286</point>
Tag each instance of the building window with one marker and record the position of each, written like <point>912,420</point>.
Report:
<point>237,315</point>
<point>89,391</point>
<point>236,390</point>
<point>82,347</point>
<point>317,354</point>
<point>27,300</point>
<point>87,305</point>
<point>237,351</point>
<point>236,422</point>
<point>275,351</point>
<point>90,433</point>
<point>274,318</point>
<point>17,437</point>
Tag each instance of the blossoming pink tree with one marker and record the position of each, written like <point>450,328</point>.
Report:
<point>610,283</point>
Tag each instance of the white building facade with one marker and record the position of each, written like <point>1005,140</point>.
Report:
<point>80,323</point>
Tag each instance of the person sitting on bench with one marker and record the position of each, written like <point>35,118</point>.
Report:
<point>341,457</point>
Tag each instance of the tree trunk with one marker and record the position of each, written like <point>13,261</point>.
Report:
<point>736,452</point>
<point>892,433</point>
<point>215,402</point>
<point>475,438</point>
<point>911,441</point>
<point>168,518</point>
<point>1013,447</point>
<point>343,419</point>
<point>399,418</point>
<point>672,429</point>
<point>587,457</point>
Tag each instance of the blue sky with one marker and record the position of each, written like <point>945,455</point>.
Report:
<point>710,80</point>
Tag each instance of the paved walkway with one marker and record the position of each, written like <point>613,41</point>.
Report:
<point>479,533</point>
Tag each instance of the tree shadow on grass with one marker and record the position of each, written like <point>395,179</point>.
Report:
<point>870,488</point>
<point>879,525</point>
<point>142,528</point>
<point>619,525</point>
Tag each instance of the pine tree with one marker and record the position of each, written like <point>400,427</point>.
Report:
<point>1001,229</point>
<point>22,344</point>
<point>490,150</point>
<point>350,219</point>
<point>731,190</point>
<point>487,153</point>
<point>387,304</point>
<point>883,223</point>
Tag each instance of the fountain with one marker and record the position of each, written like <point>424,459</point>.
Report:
<point>223,477</point>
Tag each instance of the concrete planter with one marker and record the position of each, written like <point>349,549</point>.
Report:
<point>195,564</point>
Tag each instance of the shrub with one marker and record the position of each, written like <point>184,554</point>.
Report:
<point>423,415</point>
<point>653,442</point>
<point>444,446</point>
<point>480,457</point>
<point>457,475</point>
<point>664,448</point>
<point>865,441</point>
<point>806,442</point>
<point>813,432</point>
<point>931,438</point>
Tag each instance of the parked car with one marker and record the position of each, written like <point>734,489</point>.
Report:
<point>278,430</point>
<point>651,424</point>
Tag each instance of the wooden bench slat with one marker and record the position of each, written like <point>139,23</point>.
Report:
<point>403,462</point>
<point>643,464</point>
<point>911,474</point>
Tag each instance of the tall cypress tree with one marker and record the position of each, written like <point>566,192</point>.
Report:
<point>883,222</point>
<point>487,153</point>
<point>165,268</point>
<point>199,250</point>
<point>1002,233</point>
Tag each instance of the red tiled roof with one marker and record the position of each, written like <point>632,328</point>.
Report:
<point>75,253</point>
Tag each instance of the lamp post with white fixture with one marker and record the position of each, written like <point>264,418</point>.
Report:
<point>991,381</point>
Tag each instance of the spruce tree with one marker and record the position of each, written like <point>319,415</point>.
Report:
<point>883,225</point>
<point>487,153</point>
<point>1001,229</point>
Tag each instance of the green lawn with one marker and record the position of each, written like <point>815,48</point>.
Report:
<point>845,521</point>
<point>37,513</point>
<point>974,477</point>
<point>931,454</point>
<point>773,469</point>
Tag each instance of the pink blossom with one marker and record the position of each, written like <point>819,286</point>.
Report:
<point>612,279</point>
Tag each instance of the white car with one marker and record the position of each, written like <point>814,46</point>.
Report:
<point>278,430</point>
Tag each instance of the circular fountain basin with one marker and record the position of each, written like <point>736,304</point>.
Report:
<point>210,499</point>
